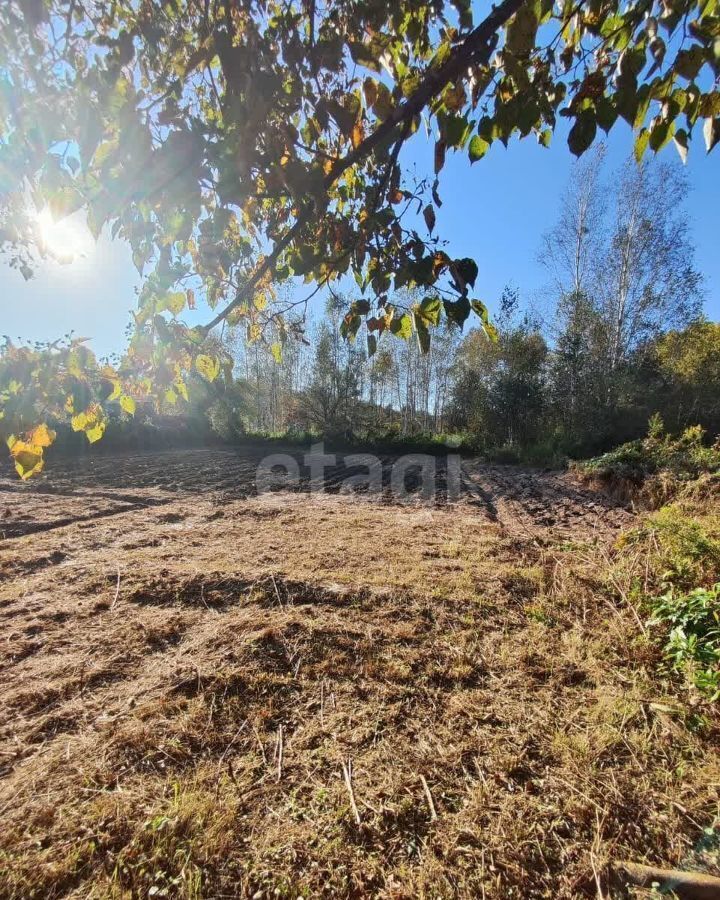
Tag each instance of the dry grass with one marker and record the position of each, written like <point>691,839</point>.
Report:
<point>488,690</point>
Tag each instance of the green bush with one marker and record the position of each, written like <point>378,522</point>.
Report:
<point>693,641</point>
<point>685,457</point>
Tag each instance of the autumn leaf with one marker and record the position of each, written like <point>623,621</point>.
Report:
<point>28,459</point>
<point>357,135</point>
<point>42,436</point>
<point>208,367</point>
<point>127,404</point>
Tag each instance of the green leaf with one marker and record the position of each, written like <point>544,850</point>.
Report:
<point>430,310</point>
<point>606,113</point>
<point>467,269</point>
<point>363,55</point>
<point>641,144</point>
<point>521,31</point>
<point>454,129</point>
<point>582,134</point>
<point>423,335</point>
<point>383,104</point>
<point>482,311</point>
<point>276,350</point>
<point>661,131</point>
<point>478,148</point>
<point>689,61</point>
<point>544,137</point>
<point>626,103</point>
<point>208,367</point>
<point>457,311</point>
<point>401,326</point>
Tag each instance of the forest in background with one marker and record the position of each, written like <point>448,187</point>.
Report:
<point>615,336</point>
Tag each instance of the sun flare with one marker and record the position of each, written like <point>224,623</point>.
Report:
<point>64,239</point>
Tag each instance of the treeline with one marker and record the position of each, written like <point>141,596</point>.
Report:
<point>615,337</point>
<point>330,386</point>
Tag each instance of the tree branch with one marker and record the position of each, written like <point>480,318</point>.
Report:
<point>476,47</point>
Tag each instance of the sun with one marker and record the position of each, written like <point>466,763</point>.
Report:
<point>64,239</point>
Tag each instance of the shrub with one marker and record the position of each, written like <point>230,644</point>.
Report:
<point>659,463</point>
<point>693,641</point>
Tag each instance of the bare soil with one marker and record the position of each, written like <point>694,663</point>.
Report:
<point>213,692</point>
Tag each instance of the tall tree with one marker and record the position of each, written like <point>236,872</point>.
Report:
<point>499,390</point>
<point>570,250</point>
<point>647,281</point>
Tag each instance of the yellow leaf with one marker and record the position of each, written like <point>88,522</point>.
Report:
<point>28,458</point>
<point>28,465</point>
<point>357,135</point>
<point>176,303</point>
<point>79,422</point>
<point>96,432</point>
<point>128,405</point>
<point>42,436</point>
<point>208,367</point>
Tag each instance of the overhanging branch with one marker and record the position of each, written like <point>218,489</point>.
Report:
<point>475,49</point>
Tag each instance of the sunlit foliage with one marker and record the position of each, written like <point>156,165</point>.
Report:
<point>238,144</point>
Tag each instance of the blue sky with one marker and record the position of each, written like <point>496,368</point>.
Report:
<point>495,211</point>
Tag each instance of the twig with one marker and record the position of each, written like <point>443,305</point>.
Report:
<point>117,589</point>
<point>277,592</point>
<point>594,852</point>
<point>347,775</point>
<point>279,752</point>
<point>428,797</point>
<point>202,597</point>
<point>260,745</point>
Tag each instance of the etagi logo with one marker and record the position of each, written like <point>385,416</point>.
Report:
<point>414,475</point>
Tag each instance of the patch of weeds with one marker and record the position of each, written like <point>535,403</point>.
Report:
<point>693,643</point>
<point>673,460</point>
<point>681,549</point>
<point>165,858</point>
<point>539,614</point>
